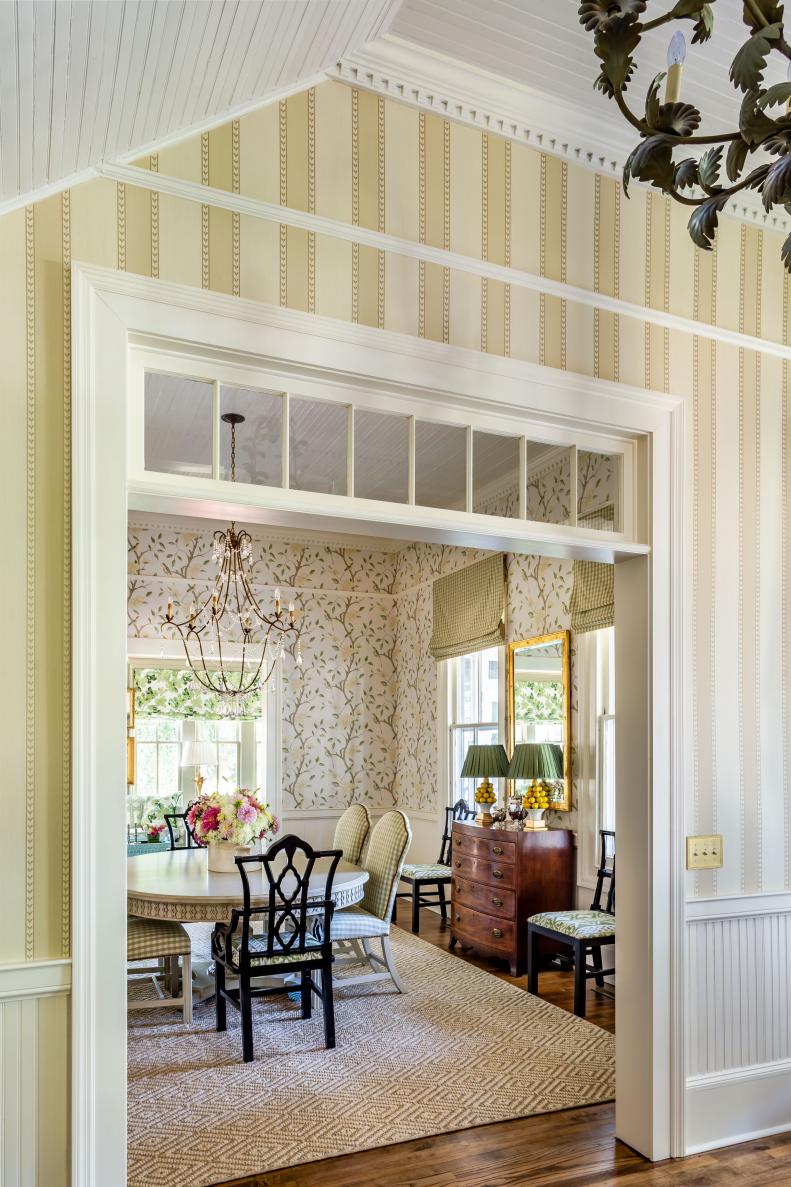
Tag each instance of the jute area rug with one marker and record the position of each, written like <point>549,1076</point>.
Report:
<point>460,1048</point>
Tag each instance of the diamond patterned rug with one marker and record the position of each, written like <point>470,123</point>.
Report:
<point>460,1048</point>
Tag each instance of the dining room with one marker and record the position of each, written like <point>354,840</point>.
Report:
<point>298,944</point>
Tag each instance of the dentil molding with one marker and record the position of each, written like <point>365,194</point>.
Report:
<point>455,90</point>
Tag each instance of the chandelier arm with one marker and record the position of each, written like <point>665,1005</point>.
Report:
<point>641,126</point>
<point>203,679</point>
<point>260,614</point>
<point>666,17</point>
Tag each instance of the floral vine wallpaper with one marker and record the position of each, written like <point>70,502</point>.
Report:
<point>360,715</point>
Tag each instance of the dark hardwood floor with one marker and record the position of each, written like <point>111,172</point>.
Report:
<point>575,1148</point>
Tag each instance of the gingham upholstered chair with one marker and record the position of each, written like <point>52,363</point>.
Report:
<point>582,931</point>
<point>388,843</point>
<point>428,881</point>
<point>351,832</point>
<point>161,939</point>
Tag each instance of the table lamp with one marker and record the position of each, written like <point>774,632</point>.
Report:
<point>197,755</point>
<point>536,761</point>
<point>483,762</point>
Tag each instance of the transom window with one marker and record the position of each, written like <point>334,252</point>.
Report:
<point>325,446</point>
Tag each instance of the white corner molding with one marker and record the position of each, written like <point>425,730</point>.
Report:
<point>459,91</point>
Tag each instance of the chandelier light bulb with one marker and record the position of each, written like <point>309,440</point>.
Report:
<point>277,601</point>
<point>677,49</point>
<point>676,53</point>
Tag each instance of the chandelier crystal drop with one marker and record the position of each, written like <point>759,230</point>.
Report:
<point>757,154</point>
<point>232,616</point>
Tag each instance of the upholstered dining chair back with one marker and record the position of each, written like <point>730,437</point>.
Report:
<point>351,832</point>
<point>384,860</point>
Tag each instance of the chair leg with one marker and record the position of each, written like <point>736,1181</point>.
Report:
<point>596,961</point>
<point>416,908</point>
<point>453,942</point>
<point>328,1004</point>
<point>579,979</point>
<point>246,1010</point>
<point>387,952</point>
<point>532,961</point>
<point>394,914</point>
<point>306,990</point>
<point>220,1003</point>
<point>443,906</point>
<point>186,987</point>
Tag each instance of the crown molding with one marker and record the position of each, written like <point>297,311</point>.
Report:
<point>183,523</point>
<point>459,91</point>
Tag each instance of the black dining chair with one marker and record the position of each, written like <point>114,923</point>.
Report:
<point>295,936</point>
<point>177,841</point>
<point>585,932</point>
<point>428,882</point>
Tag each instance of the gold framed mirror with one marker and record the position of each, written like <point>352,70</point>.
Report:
<point>539,700</point>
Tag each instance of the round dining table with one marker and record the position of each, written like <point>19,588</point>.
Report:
<point>179,885</point>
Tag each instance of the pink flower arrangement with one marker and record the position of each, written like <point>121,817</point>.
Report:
<point>238,817</point>
<point>154,830</point>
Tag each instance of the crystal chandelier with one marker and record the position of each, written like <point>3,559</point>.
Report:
<point>758,153</point>
<point>232,615</point>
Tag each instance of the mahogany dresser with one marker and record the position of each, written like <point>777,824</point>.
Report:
<point>499,878</point>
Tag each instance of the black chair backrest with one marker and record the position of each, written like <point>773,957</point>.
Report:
<point>459,811</point>
<point>190,840</point>
<point>607,840</point>
<point>288,911</point>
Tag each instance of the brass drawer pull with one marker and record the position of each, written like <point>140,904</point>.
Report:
<point>496,932</point>
<point>497,902</point>
<point>458,918</point>
<point>458,865</point>
<point>497,873</point>
<point>498,849</point>
<point>456,888</point>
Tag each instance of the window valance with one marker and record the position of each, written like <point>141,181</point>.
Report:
<point>469,609</point>
<point>593,591</point>
<point>170,692</point>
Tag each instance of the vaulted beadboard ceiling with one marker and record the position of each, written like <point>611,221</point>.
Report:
<point>82,81</point>
<point>541,45</point>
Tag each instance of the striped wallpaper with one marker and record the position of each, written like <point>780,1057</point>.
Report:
<point>357,157</point>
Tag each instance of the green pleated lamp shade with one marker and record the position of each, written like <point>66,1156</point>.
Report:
<point>536,760</point>
<point>485,762</point>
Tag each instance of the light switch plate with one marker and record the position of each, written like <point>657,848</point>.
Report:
<point>704,853</point>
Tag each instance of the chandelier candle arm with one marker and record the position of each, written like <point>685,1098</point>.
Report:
<point>671,123</point>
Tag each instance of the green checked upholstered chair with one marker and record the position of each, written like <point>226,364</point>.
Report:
<point>428,882</point>
<point>384,859</point>
<point>351,833</point>
<point>161,939</point>
<point>585,932</point>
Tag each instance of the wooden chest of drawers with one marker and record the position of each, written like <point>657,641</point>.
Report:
<point>500,877</point>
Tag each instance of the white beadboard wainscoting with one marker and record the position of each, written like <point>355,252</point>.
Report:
<point>34,997</point>
<point>738,1019</point>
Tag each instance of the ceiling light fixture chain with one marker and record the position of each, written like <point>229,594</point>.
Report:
<point>669,124</point>
<point>232,614</point>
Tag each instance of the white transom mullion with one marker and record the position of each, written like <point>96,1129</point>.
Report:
<point>284,442</point>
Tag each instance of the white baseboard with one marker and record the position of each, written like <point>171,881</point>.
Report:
<point>739,1105</point>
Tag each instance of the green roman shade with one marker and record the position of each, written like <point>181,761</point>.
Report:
<point>171,692</point>
<point>593,591</point>
<point>469,609</point>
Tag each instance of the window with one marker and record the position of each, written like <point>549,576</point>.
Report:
<point>475,714</point>
<point>158,747</point>
<point>224,774</point>
<point>606,772</point>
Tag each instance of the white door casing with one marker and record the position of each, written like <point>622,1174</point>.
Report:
<point>113,311</point>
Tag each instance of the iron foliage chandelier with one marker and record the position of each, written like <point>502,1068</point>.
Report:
<point>757,157</point>
<point>231,614</point>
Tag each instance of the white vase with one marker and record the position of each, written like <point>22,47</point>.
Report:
<point>534,820</point>
<point>221,854</point>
